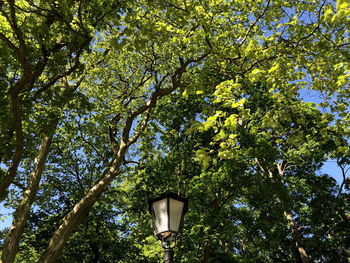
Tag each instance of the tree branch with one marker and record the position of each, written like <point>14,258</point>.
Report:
<point>10,44</point>
<point>16,111</point>
<point>11,244</point>
<point>342,168</point>
<point>74,217</point>
<point>255,22</point>
<point>139,129</point>
<point>22,45</point>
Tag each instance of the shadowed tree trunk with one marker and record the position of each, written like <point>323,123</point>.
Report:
<point>206,253</point>
<point>286,213</point>
<point>293,228</point>
<point>16,110</point>
<point>297,240</point>
<point>11,245</point>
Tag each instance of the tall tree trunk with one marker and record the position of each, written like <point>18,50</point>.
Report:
<point>288,216</point>
<point>16,109</point>
<point>95,252</point>
<point>296,236</point>
<point>206,252</point>
<point>11,245</point>
<point>74,217</point>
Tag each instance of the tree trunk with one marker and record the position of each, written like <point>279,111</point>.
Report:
<point>74,217</point>
<point>11,245</point>
<point>95,252</point>
<point>288,216</point>
<point>295,233</point>
<point>16,109</point>
<point>206,252</point>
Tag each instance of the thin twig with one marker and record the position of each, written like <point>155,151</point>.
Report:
<point>255,22</point>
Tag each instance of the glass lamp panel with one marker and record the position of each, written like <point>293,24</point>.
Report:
<point>176,209</point>
<point>161,215</point>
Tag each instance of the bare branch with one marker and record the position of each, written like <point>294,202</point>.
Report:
<point>139,129</point>
<point>11,244</point>
<point>177,7</point>
<point>343,172</point>
<point>129,162</point>
<point>255,22</point>
<point>320,10</point>
<point>22,45</point>
<point>75,66</point>
<point>10,44</point>
<point>257,62</point>
<point>53,80</point>
<point>19,185</point>
<point>112,142</point>
<point>260,166</point>
<point>158,93</point>
<point>91,144</point>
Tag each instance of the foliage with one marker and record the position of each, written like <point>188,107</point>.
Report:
<point>199,97</point>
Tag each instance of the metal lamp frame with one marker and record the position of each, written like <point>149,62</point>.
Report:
<point>168,196</point>
<point>174,235</point>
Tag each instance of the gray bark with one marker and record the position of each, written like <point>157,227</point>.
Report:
<point>11,245</point>
<point>296,236</point>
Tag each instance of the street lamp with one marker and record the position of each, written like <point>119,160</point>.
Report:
<point>168,211</point>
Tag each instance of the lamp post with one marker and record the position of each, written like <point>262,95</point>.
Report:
<point>168,211</point>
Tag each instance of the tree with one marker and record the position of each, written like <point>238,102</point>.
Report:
<point>258,177</point>
<point>105,66</point>
<point>43,43</point>
<point>145,99</point>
